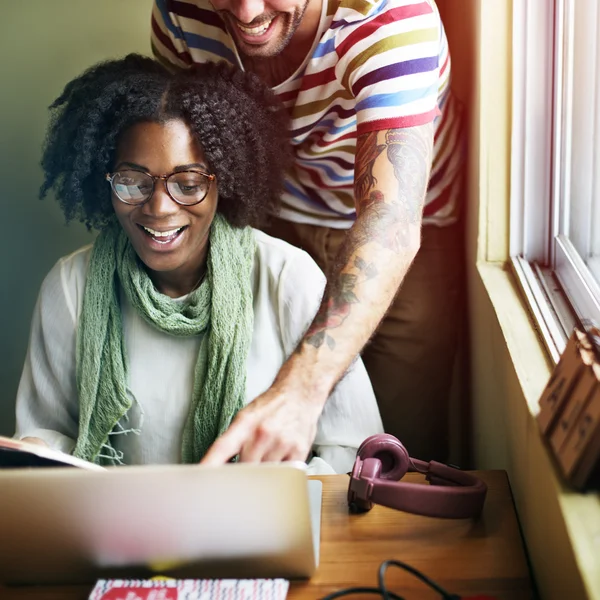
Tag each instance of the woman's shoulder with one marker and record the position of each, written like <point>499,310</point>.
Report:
<point>266,242</point>
<point>67,277</point>
<point>72,268</point>
<point>76,262</point>
<point>287,271</point>
<point>274,254</point>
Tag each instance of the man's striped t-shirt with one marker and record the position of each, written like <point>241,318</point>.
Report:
<point>374,65</point>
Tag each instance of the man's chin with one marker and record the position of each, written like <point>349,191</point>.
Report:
<point>258,50</point>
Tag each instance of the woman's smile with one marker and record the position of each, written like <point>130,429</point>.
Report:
<point>165,239</point>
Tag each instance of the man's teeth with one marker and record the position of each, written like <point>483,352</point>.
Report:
<point>165,234</point>
<point>258,30</point>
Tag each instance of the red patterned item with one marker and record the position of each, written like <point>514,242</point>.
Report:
<point>190,589</point>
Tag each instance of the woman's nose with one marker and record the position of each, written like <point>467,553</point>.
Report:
<point>160,203</point>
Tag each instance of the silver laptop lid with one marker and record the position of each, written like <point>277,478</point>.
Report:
<point>70,525</point>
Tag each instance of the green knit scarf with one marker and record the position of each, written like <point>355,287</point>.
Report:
<point>220,309</point>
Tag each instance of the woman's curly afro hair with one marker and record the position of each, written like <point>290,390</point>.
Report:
<point>238,122</point>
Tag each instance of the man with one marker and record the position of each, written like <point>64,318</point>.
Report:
<point>376,136</point>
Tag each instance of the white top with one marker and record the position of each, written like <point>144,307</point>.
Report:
<point>288,286</point>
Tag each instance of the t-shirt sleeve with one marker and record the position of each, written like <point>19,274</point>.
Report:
<point>47,405</point>
<point>393,65</point>
<point>166,38</point>
<point>350,414</point>
<point>188,33</point>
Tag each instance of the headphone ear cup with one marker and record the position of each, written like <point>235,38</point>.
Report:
<point>390,451</point>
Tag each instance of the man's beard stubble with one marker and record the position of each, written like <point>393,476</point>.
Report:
<point>290,25</point>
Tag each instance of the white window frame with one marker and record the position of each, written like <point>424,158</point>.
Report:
<point>555,280</point>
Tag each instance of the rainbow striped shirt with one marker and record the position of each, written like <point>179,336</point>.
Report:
<point>374,65</point>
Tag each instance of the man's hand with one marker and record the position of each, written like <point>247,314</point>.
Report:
<point>279,425</point>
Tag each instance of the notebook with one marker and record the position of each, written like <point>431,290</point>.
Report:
<point>68,525</point>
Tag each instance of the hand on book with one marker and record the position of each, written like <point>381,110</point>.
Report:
<point>33,451</point>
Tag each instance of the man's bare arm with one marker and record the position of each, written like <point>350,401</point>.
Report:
<point>381,245</point>
<point>391,176</point>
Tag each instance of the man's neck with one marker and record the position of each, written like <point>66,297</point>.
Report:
<point>274,70</point>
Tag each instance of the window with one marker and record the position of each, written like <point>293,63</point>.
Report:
<point>555,170</point>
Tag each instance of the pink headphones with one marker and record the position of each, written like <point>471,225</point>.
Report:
<point>381,461</point>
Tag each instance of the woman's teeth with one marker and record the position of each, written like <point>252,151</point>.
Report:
<point>162,233</point>
<point>162,237</point>
<point>258,30</point>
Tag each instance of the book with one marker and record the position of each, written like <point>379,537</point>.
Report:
<point>582,449</point>
<point>569,416</point>
<point>560,386</point>
<point>190,589</point>
<point>583,389</point>
<point>16,454</point>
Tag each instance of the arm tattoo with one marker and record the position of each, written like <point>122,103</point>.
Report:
<point>340,296</point>
<point>410,152</point>
<point>367,152</point>
<point>384,220</point>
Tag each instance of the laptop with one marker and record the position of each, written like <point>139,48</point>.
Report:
<point>68,525</point>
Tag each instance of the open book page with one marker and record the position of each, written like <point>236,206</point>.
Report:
<point>17,454</point>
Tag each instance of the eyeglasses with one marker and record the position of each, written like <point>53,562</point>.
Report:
<point>136,187</point>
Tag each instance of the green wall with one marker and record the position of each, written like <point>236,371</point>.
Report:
<point>43,44</point>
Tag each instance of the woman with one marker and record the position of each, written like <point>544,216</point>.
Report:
<point>146,344</point>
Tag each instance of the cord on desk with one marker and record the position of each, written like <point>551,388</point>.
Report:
<point>382,590</point>
<point>402,565</point>
<point>360,590</point>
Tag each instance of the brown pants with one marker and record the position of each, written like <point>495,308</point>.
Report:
<point>410,359</point>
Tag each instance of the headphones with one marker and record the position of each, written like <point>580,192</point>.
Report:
<point>381,461</point>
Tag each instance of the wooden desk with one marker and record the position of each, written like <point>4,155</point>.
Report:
<point>463,556</point>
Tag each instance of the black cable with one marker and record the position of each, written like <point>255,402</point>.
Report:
<point>382,589</point>
<point>360,590</point>
<point>402,565</point>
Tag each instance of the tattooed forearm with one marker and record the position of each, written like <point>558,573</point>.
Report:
<point>382,222</point>
<point>340,296</point>
<point>388,214</point>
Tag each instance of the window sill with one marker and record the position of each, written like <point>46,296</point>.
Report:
<point>561,527</point>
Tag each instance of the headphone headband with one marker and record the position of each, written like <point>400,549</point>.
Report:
<point>382,460</point>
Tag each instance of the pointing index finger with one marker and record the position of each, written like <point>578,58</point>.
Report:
<point>226,446</point>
